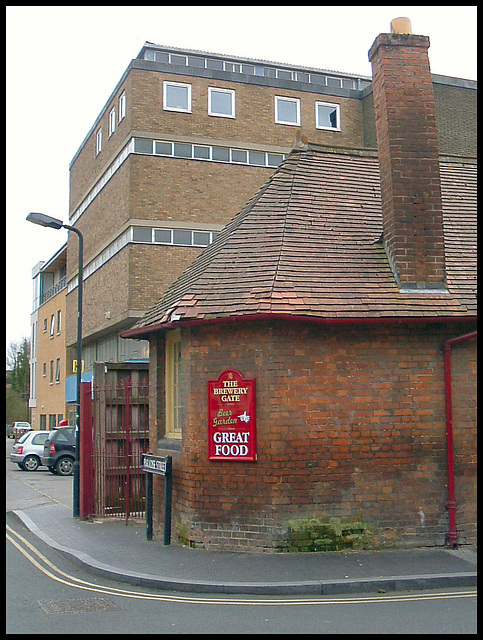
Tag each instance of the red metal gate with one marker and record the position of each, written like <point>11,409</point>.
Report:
<point>120,437</point>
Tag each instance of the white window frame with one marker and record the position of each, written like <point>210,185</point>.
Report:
<point>166,86</point>
<point>122,106</point>
<point>98,141</point>
<point>296,101</point>
<point>112,121</point>
<point>231,92</point>
<point>327,104</point>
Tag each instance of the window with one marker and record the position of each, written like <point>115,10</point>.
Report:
<point>201,238</point>
<point>112,121</point>
<point>334,82</point>
<point>58,322</point>
<point>122,106</point>
<point>142,234</point>
<point>239,156</point>
<point>51,372</point>
<point>44,370</point>
<point>182,237</point>
<point>57,370</point>
<point>182,150</point>
<point>287,111</point>
<point>162,235</point>
<point>327,116</point>
<point>221,102</point>
<point>98,142</point>
<point>202,153</point>
<point>283,74</point>
<point>43,422</point>
<point>221,154</point>
<point>52,325</point>
<point>274,159</point>
<point>214,64</point>
<point>257,158</point>
<point>45,325</point>
<point>173,387</point>
<point>40,438</point>
<point>143,146</point>
<point>233,67</point>
<point>176,59</point>
<point>163,148</point>
<point>177,97</point>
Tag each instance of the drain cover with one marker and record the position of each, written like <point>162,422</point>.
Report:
<point>76,606</point>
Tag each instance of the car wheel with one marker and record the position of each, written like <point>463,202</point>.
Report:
<point>31,463</point>
<point>20,466</point>
<point>64,466</point>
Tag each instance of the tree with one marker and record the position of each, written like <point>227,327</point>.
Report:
<point>18,381</point>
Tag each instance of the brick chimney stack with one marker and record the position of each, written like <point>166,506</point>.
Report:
<point>408,158</point>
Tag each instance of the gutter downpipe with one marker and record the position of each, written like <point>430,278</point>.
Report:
<point>452,535</point>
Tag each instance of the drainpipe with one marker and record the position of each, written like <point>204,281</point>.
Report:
<point>451,503</point>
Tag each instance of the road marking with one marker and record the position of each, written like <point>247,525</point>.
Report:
<point>53,572</point>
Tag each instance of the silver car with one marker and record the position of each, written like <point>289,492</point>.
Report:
<point>27,451</point>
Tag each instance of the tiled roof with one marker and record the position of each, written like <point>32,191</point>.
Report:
<point>309,244</point>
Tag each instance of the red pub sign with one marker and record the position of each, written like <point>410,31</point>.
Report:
<point>232,418</point>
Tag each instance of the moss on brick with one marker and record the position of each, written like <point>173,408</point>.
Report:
<point>325,534</point>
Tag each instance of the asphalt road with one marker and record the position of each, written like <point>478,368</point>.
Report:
<point>46,594</point>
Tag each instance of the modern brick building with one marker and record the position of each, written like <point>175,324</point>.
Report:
<point>183,142</point>
<point>345,290</point>
<point>48,372</point>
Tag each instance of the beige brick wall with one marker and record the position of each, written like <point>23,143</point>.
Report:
<point>254,122</point>
<point>154,188</point>
<point>190,191</point>
<point>51,396</point>
<point>255,113</point>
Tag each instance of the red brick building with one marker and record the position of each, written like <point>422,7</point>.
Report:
<point>346,288</point>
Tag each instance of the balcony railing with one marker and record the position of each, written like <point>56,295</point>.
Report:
<point>54,290</point>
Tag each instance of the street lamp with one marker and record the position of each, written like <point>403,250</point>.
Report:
<point>53,223</point>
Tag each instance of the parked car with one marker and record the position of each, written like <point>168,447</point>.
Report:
<point>27,451</point>
<point>19,428</point>
<point>59,451</point>
<point>9,430</point>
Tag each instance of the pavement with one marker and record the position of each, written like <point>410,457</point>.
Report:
<point>122,552</point>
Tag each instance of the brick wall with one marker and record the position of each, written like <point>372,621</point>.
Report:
<point>254,122</point>
<point>255,112</point>
<point>189,191</point>
<point>456,109</point>
<point>351,430</point>
<point>51,396</point>
<point>152,269</point>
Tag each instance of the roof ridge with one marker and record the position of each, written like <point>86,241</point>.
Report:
<point>296,157</point>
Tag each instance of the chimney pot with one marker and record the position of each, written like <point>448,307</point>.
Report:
<point>401,25</point>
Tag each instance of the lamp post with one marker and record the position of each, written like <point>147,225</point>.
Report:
<point>53,223</point>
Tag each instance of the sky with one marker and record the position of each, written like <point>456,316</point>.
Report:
<point>62,63</point>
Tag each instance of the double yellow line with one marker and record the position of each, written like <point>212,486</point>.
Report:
<point>44,565</point>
